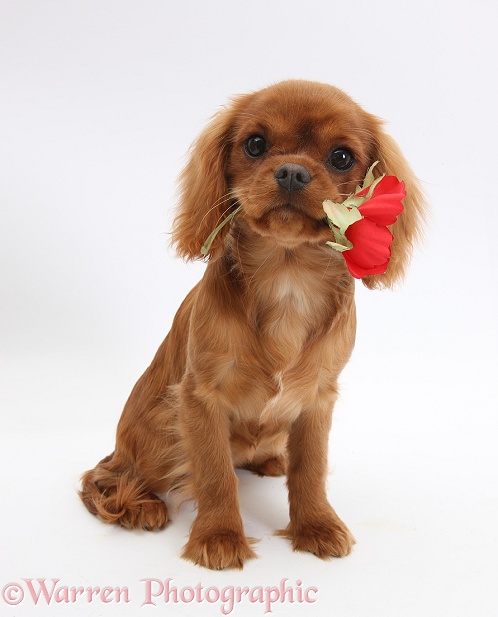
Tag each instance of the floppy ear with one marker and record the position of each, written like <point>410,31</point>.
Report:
<point>204,196</point>
<point>407,229</point>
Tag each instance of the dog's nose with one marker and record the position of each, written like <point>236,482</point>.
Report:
<point>292,177</point>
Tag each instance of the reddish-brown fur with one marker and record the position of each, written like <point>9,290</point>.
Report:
<point>247,376</point>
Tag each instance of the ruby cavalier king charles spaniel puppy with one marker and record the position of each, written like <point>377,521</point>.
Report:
<point>247,376</point>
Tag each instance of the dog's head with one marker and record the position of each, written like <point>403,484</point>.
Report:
<point>280,153</point>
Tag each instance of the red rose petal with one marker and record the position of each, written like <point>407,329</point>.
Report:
<point>359,272</point>
<point>371,243</point>
<point>383,209</point>
<point>389,184</point>
<point>385,203</point>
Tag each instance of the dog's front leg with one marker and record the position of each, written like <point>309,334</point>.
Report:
<point>217,538</point>
<point>314,526</point>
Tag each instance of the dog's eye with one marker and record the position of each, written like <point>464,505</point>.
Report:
<point>341,159</point>
<point>255,146</point>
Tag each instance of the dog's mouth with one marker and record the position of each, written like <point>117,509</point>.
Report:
<point>291,223</point>
<point>289,212</point>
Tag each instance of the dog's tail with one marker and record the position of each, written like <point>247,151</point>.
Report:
<point>116,495</point>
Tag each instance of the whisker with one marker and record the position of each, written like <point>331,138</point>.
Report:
<point>219,202</point>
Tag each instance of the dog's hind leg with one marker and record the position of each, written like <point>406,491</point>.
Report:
<point>115,494</point>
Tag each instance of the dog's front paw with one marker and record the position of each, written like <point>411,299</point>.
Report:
<point>325,537</point>
<point>218,549</point>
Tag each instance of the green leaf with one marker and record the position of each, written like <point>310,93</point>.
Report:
<point>372,187</point>
<point>339,247</point>
<point>369,177</point>
<point>353,201</point>
<point>340,215</point>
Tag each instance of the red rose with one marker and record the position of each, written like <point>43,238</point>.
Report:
<point>370,237</point>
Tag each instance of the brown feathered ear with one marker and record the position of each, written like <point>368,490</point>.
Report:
<point>407,229</point>
<point>204,191</point>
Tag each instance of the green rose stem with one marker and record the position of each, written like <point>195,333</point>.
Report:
<point>206,247</point>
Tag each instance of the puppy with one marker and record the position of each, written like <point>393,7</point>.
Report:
<point>247,376</point>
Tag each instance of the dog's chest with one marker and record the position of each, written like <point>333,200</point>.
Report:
<point>290,311</point>
<point>292,294</point>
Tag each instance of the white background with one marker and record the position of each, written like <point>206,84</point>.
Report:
<point>99,102</point>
